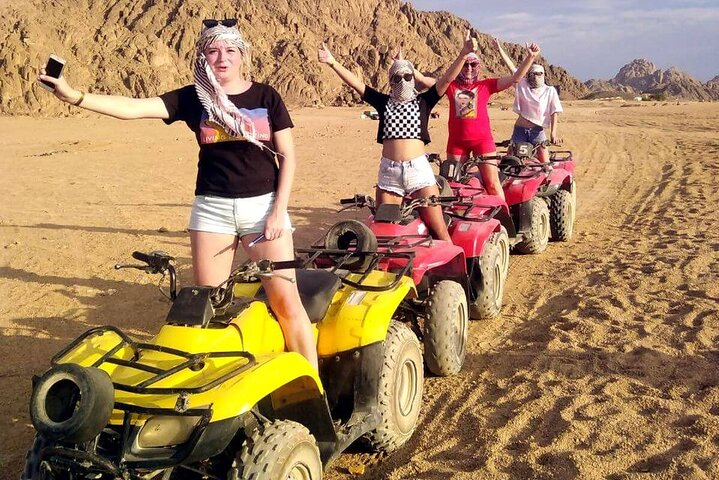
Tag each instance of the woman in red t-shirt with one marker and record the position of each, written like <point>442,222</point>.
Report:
<point>469,129</point>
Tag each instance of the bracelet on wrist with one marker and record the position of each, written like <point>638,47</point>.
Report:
<point>79,100</point>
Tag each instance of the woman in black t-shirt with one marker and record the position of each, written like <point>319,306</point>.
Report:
<point>402,131</point>
<point>245,169</point>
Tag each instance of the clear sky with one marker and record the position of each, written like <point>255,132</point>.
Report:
<point>595,38</point>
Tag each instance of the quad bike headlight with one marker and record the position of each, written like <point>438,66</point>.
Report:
<point>163,431</point>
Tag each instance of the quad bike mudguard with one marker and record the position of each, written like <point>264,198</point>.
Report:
<point>522,190</point>
<point>356,317</point>
<point>473,236</point>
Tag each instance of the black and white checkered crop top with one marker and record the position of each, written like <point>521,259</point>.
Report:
<point>402,120</point>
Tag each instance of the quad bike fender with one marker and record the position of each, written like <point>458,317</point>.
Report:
<point>473,236</point>
<point>522,190</point>
<point>286,378</point>
<point>357,318</point>
<point>447,261</point>
<point>253,329</point>
<point>562,178</point>
<point>246,289</point>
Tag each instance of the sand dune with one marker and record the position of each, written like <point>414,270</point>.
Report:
<point>603,363</point>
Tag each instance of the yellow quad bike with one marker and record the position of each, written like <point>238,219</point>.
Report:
<point>215,394</point>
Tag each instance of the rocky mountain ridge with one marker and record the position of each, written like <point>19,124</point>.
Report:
<point>641,76</point>
<point>145,48</point>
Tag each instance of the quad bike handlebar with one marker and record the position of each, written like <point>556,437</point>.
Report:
<point>155,262</point>
<point>358,200</point>
<point>158,262</point>
<point>249,271</point>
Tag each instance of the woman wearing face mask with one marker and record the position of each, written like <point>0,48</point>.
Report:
<point>472,134</point>
<point>537,106</point>
<point>403,132</point>
<point>245,170</point>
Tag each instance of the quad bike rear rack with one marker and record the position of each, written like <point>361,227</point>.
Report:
<point>334,260</point>
<point>559,156</point>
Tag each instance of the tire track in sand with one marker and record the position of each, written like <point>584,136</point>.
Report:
<point>603,363</point>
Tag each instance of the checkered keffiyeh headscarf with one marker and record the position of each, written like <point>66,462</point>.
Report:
<point>219,108</point>
<point>469,79</point>
<point>402,91</point>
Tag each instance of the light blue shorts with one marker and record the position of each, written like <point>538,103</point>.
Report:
<point>533,135</point>
<point>406,177</point>
<point>232,216</point>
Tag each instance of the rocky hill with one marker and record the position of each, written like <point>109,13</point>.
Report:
<point>642,76</point>
<point>145,48</point>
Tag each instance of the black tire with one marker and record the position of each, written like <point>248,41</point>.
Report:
<point>71,403</point>
<point>278,450</point>
<point>561,215</point>
<point>501,240</point>
<point>399,398</point>
<point>446,327</point>
<point>355,236</point>
<point>32,460</point>
<point>487,282</point>
<point>537,238</point>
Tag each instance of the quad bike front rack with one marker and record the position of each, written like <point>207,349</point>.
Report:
<point>191,361</point>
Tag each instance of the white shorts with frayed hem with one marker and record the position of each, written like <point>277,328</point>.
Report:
<point>406,177</point>
<point>233,216</point>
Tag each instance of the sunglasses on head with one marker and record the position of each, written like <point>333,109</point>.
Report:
<point>471,64</point>
<point>211,22</point>
<point>398,77</point>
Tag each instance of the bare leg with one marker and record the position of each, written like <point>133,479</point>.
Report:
<point>432,216</point>
<point>284,297</point>
<point>383,196</point>
<point>490,176</point>
<point>212,256</point>
<point>542,155</point>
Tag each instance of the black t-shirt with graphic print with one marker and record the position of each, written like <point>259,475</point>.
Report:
<point>229,166</point>
<point>404,120</point>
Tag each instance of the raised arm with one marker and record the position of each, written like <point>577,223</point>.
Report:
<point>505,58</point>
<point>324,56</point>
<point>506,82</point>
<point>470,45</point>
<point>124,108</point>
<point>423,82</point>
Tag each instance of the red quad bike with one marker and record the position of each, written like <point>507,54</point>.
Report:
<point>448,276</point>
<point>540,197</point>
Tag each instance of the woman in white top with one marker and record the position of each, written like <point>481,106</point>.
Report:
<point>537,105</point>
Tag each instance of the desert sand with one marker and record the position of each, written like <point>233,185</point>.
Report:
<point>603,363</point>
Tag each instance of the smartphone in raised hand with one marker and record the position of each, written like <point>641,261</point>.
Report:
<point>53,69</point>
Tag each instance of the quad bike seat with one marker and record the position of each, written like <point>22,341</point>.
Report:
<point>316,287</point>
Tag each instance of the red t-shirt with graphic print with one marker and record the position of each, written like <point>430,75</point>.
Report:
<point>468,115</point>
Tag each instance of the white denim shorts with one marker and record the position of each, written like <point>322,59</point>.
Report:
<point>405,177</point>
<point>232,216</point>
